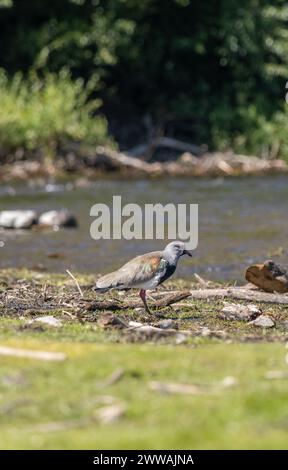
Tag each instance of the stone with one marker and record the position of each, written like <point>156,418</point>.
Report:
<point>180,338</point>
<point>18,219</point>
<point>206,332</point>
<point>134,324</point>
<point>232,311</point>
<point>48,320</point>
<point>166,324</point>
<point>229,381</point>
<point>263,321</point>
<point>108,320</point>
<point>58,218</point>
<point>110,414</point>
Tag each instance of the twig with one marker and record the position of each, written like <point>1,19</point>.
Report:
<point>45,292</point>
<point>70,315</point>
<point>114,377</point>
<point>76,282</point>
<point>30,354</point>
<point>201,280</point>
<point>185,389</point>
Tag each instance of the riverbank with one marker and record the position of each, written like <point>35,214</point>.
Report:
<point>105,161</point>
<point>27,294</point>
<point>105,379</point>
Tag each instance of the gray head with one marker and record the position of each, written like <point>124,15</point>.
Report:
<point>174,250</point>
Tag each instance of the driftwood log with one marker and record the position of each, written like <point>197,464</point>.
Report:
<point>118,305</point>
<point>268,276</point>
<point>166,142</point>
<point>240,293</point>
<point>216,164</point>
<point>121,160</point>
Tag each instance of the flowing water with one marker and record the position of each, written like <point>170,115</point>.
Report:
<point>241,221</point>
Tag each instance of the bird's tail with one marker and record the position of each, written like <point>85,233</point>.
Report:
<point>107,282</point>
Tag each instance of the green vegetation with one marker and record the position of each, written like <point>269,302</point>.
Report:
<point>48,405</point>
<point>209,72</point>
<point>41,114</point>
<point>249,415</point>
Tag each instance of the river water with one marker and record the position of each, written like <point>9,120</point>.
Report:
<point>241,221</point>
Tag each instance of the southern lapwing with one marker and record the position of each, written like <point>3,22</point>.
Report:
<point>145,271</point>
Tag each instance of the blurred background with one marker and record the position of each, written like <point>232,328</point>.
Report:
<point>210,72</point>
<point>79,73</point>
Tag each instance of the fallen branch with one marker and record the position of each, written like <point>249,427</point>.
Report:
<point>120,160</point>
<point>240,293</point>
<point>166,142</point>
<point>30,354</point>
<point>177,388</point>
<point>172,298</point>
<point>149,331</point>
<point>175,144</point>
<point>201,280</point>
<point>114,305</point>
<point>115,377</point>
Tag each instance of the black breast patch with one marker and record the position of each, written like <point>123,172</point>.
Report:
<point>169,271</point>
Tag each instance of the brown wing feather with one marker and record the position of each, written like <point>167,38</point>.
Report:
<point>139,270</point>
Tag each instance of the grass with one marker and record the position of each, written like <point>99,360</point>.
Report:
<point>33,394</point>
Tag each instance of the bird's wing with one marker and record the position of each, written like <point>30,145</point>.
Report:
<point>138,271</point>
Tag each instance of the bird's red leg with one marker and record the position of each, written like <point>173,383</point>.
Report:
<point>142,294</point>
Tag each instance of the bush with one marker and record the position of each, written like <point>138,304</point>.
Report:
<point>256,134</point>
<point>43,113</point>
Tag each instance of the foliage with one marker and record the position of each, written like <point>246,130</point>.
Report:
<point>45,112</point>
<point>210,72</point>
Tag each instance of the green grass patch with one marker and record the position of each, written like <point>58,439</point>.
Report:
<point>54,405</point>
<point>252,414</point>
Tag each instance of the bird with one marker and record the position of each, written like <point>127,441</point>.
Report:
<point>145,271</point>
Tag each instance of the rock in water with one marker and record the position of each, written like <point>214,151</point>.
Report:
<point>263,321</point>
<point>18,219</point>
<point>61,218</point>
<point>268,276</point>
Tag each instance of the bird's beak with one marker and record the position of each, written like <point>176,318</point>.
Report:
<point>186,252</point>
